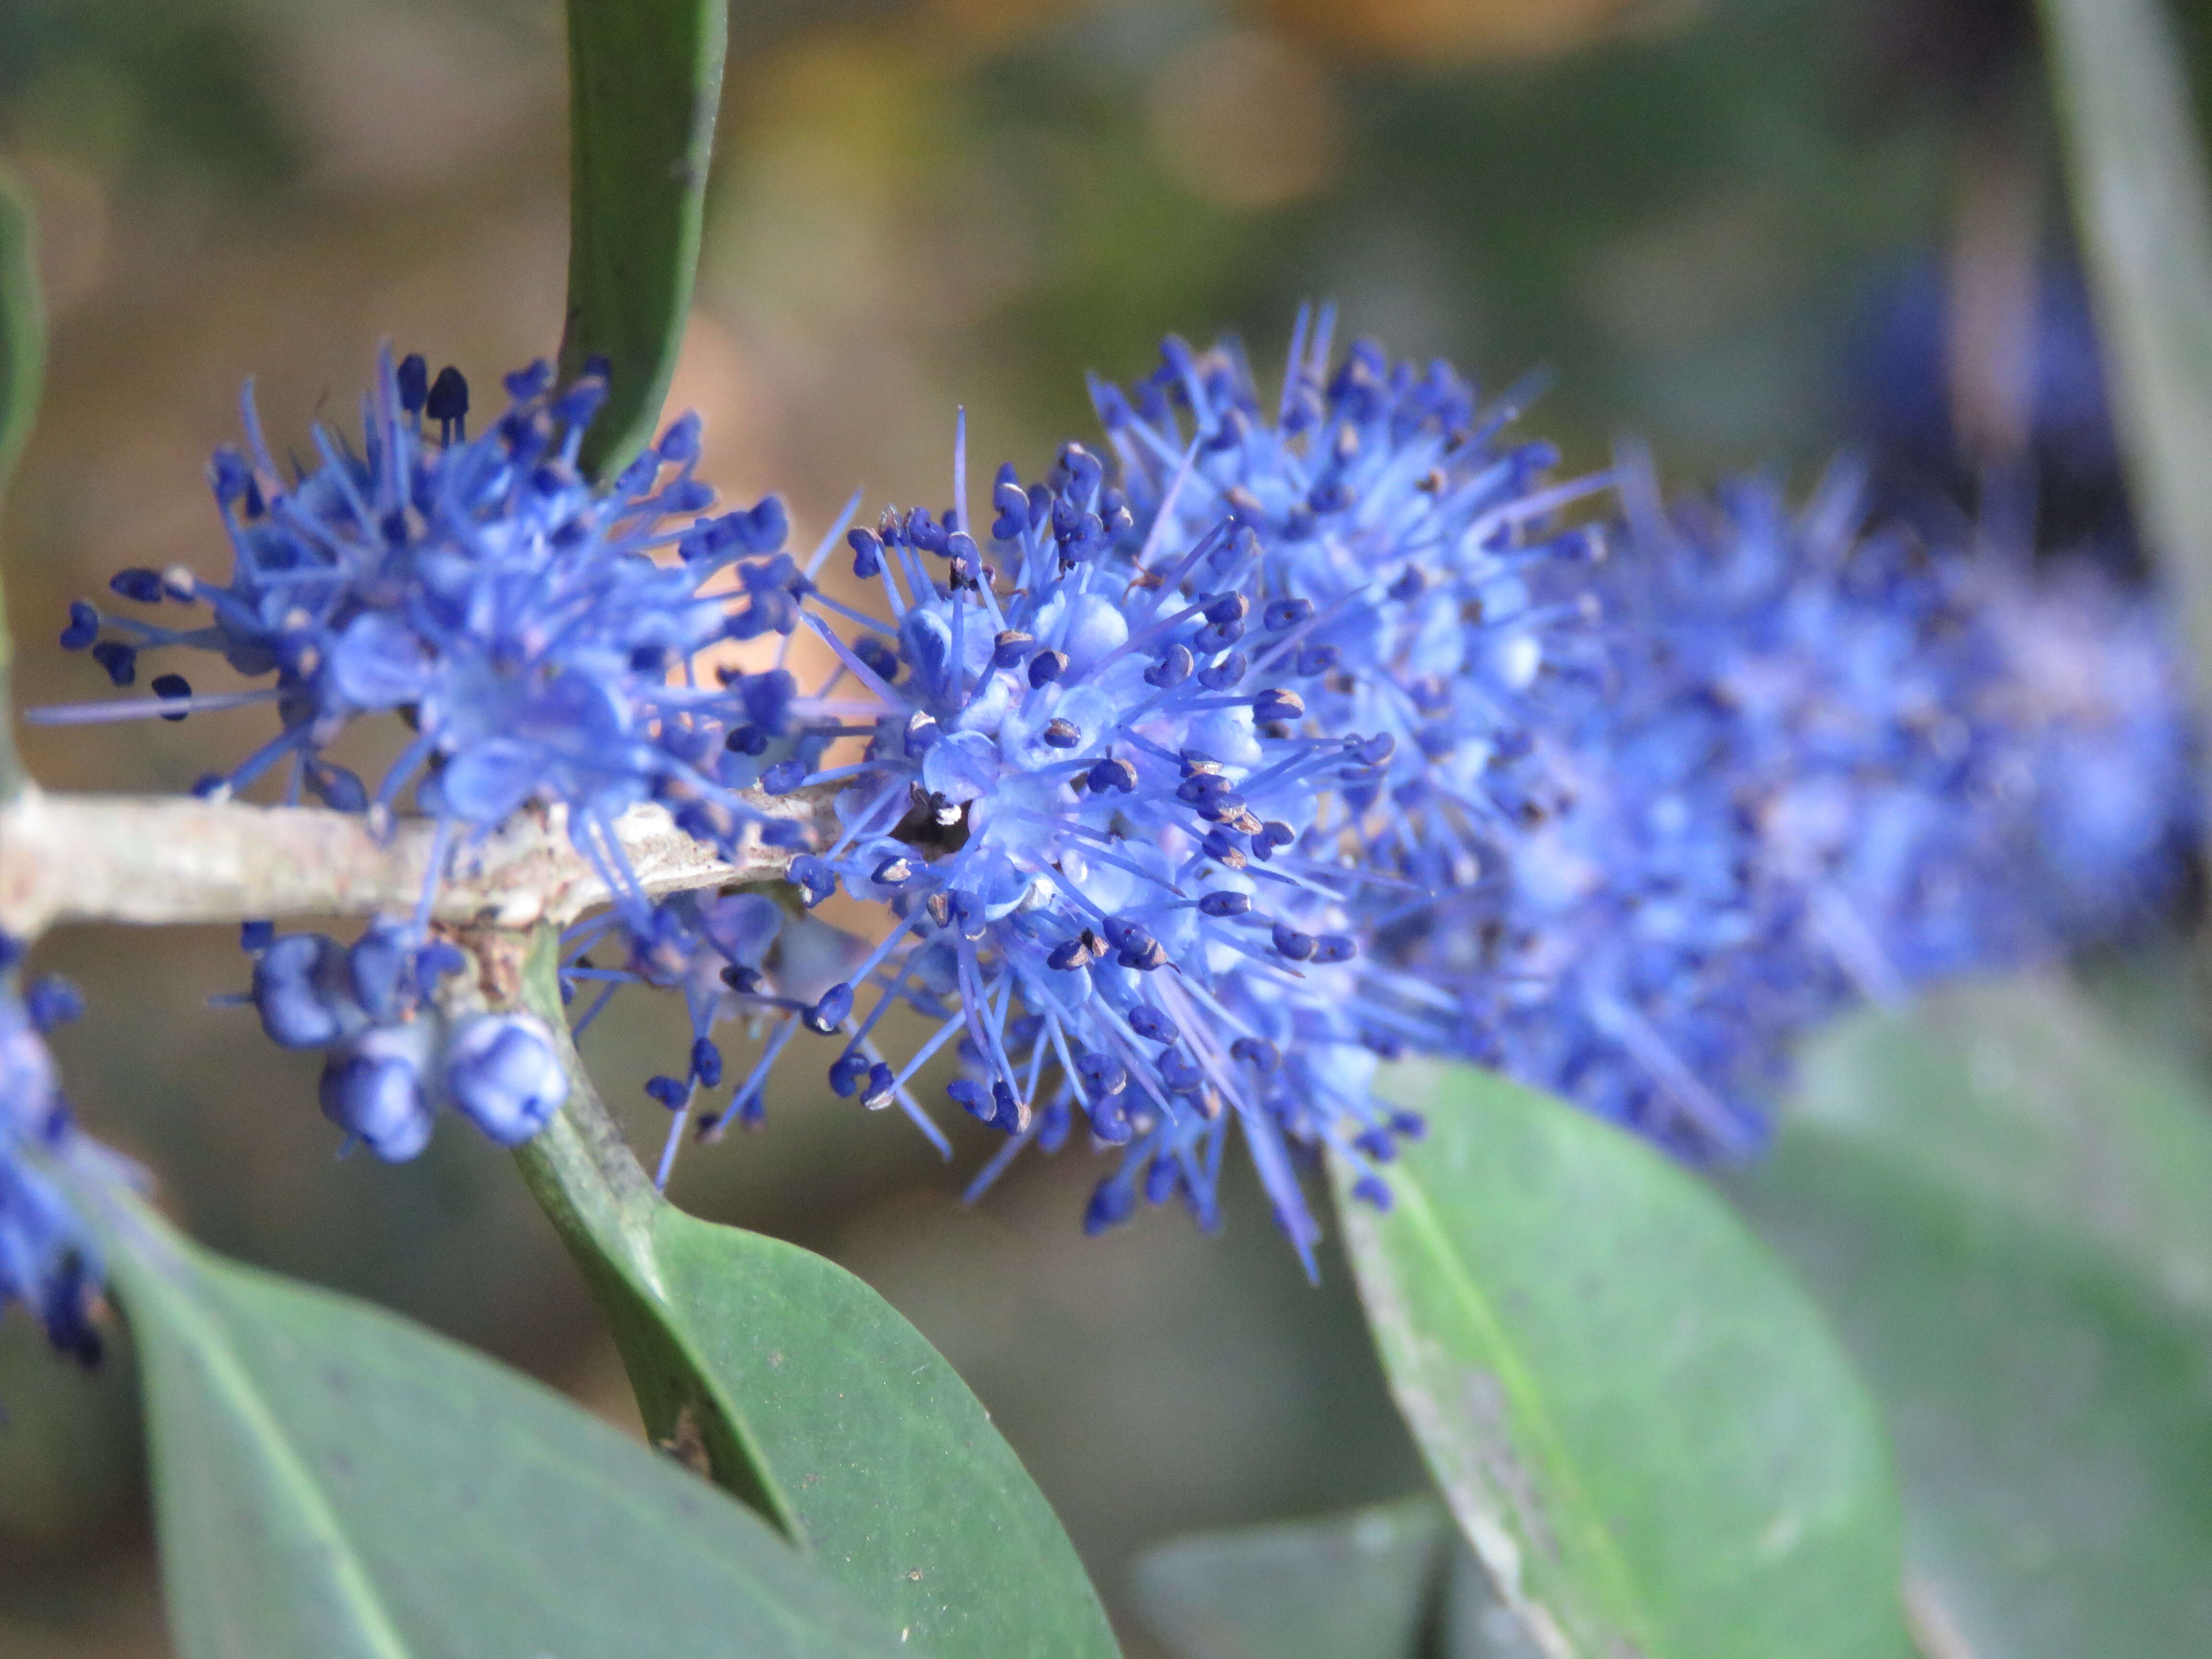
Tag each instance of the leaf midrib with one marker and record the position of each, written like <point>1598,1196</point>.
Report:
<point>210,1347</point>
<point>1537,1425</point>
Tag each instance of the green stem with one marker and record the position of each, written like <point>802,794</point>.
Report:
<point>23,370</point>
<point>590,1186</point>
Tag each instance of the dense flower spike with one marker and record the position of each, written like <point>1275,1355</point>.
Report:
<point>1825,765</point>
<point>483,589</point>
<point>1127,771</point>
<point>394,1056</point>
<point>48,1261</point>
<point>1299,732</point>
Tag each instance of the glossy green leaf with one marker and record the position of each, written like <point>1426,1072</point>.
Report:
<point>331,1480</point>
<point>645,80</point>
<point>2006,1208</point>
<point>803,1391</point>
<point>1645,1429</point>
<point>22,371</point>
<point>2139,186</point>
<point>1356,1586</point>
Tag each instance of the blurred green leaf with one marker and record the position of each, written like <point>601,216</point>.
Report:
<point>1645,1429</point>
<point>22,326</point>
<point>644,80</point>
<point>2006,1207</point>
<point>2139,189</point>
<point>803,1391</point>
<point>331,1480</point>
<point>2028,1096</point>
<point>22,371</point>
<point>1390,1581</point>
<point>1356,1586</point>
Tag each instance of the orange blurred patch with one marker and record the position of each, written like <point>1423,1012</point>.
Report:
<point>1464,31</point>
<point>1246,119</point>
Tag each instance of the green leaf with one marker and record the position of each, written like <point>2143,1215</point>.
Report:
<point>644,80</point>
<point>1645,1429</point>
<point>805,1392</point>
<point>1390,1581</point>
<point>331,1480</point>
<point>2006,1208</point>
<point>22,371</point>
<point>1356,1586</point>
<point>2139,190</point>
<point>22,326</point>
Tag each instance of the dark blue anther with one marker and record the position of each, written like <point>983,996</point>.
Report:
<point>706,1062</point>
<point>137,584</point>
<point>1062,735</point>
<point>1372,1191</point>
<point>882,1083</point>
<point>447,403</point>
<point>1047,666</point>
<point>831,1012</point>
<point>1009,647</point>
<point>1072,953</point>
<point>1102,1075</point>
<point>414,378</point>
<point>1292,943</point>
<point>1113,774</point>
<point>671,1092</point>
<point>1260,1055</point>
<point>1285,613</point>
<point>814,878</point>
<point>83,627</point>
<point>1172,669</point>
<point>1224,904</point>
<point>120,661</point>
<point>783,777</point>
<point>1148,1022</point>
<point>867,552</point>
<point>173,686</point>
<point>1277,705</point>
<point>1220,675</point>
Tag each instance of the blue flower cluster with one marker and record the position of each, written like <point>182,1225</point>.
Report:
<point>1130,763</point>
<point>1821,766</point>
<point>393,1056</point>
<point>483,589</point>
<point>48,1262</point>
<point>1195,778</point>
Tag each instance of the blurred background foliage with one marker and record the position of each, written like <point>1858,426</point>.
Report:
<point>1754,231</point>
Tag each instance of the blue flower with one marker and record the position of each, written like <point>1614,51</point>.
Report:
<point>1120,769</point>
<point>394,1058</point>
<point>48,1261</point>
<point>1820,765</point>
<point>513,611</point>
